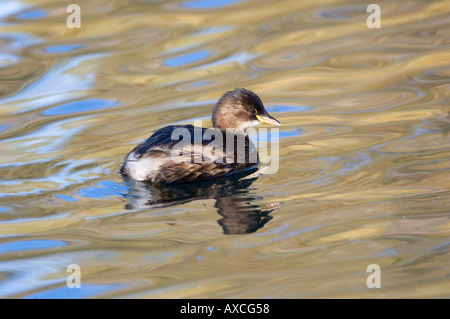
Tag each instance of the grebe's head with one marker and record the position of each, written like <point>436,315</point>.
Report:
<point>240,109</point>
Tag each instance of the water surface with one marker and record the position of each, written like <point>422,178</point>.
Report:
<point>364,149</point>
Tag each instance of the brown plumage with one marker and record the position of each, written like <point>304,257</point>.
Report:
<point>225,149</point>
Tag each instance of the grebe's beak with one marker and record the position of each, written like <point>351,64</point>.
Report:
<point>268,119</point>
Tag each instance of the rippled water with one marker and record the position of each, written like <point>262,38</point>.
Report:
<point>364,149</point>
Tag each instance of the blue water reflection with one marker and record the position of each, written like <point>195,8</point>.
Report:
<point>32,14</point>
<point>85,291</point>
<point>103,189</point>
<point>187,58</point>
<point>29,245</point>
<point>62,48</point>
<point>208,4</point>
<point>288,108</point>
<point>67,198</point>
<point>80,106</point>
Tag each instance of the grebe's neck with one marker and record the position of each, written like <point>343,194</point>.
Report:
<point>240,129</point>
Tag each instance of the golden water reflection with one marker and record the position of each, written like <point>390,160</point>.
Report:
<point>364,149</point>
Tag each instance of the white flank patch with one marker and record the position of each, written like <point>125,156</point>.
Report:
<point>144,168</point>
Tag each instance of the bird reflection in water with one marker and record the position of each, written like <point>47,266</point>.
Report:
<point>234,201</point>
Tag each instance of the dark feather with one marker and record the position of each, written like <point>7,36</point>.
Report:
<point>161,143</point>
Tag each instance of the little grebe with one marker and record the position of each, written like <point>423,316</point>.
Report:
<point>158,161</point>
